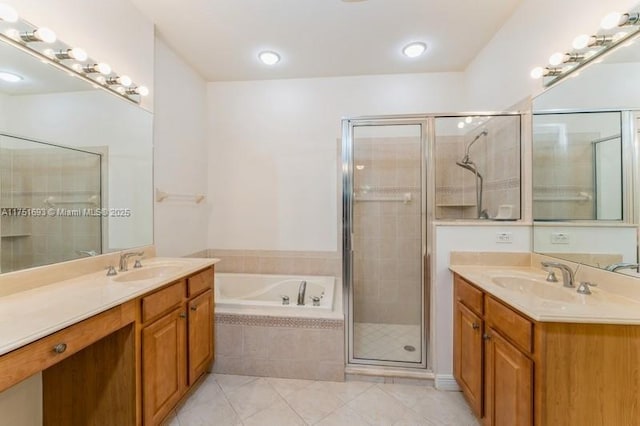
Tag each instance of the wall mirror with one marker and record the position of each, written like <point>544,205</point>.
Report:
<point>585,164</point>
<point>76,166</point>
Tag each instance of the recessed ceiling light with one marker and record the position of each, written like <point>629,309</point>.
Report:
<point>269,58</point>
<point>413,50</point>
<point>10,77</point>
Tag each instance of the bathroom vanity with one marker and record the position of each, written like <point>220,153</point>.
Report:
<point>544,356</point>
<point>120,350</point>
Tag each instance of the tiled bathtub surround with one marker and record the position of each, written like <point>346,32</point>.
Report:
<point>275,262</point>
<point>497,157</point>
<point>295,348</point>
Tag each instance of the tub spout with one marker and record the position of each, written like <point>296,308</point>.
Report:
<point>301,291</point>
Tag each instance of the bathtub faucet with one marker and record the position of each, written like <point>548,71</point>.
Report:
<point>301,290</point>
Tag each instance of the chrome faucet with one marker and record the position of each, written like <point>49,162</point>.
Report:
<point>301,291</point>
<point>124,257</point>
<point>567,272</point>
<point>622,265</point>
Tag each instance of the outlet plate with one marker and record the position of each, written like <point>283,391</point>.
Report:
<point>560,238</point>
<point>504,237</point>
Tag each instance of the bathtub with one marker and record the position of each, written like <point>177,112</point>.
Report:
<point>261,294</point>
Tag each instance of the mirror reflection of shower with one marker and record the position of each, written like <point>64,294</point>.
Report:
<point>467,164</point>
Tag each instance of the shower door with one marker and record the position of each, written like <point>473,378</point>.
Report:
<point>384,240</point>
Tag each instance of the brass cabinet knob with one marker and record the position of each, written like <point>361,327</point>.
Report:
<point>182,315</point>
<point>60,348</point>
<point>485,336</point>
<point>194,308</point>
<point>475,325</point>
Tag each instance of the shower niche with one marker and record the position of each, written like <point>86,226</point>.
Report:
<point>477,167</point>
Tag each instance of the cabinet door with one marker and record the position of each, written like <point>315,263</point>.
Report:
<point>200,335</point>
<point>508,383</point>
<point>164,369</point>
<point>467,355</point>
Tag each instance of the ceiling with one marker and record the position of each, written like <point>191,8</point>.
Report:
<point>322,38</point>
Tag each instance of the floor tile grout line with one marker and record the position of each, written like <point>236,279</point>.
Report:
<point>286,402</point>
<point>406,407</point>
<point>226,398</point>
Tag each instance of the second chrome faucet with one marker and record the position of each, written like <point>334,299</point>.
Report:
<point>567,272</point>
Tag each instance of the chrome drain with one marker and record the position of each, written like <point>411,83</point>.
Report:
<point>409,348</point>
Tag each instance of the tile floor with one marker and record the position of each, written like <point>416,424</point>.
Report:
<point>386,341</point>
<point>243,400</point>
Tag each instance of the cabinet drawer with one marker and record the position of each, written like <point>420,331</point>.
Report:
<point>162,301</point>
<point>21,363</point>
<point>513,325</point>
<point>200,282</point>
<point>468,294</point>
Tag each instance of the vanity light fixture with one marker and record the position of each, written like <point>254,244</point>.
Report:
<point>73,53</point>
<point>269,58</point>
<point>7,13</point>
<point>415,49</point>
<point>10,77</point>
<point>42,34</point>
<point>588,48</point>
<point>121,80</point>
<point>101,68</point>
<point>72,60</point>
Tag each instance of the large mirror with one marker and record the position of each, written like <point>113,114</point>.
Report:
<point>76,166</point>
<point>585,164</point>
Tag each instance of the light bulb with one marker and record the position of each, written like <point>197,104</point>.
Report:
<point>125,80</point>
<point>269,58</point>
<point>78,54</point>
<point>7,13</point>
<point>610,21</point>
<point>581,41</point>
<point>142,90</point>
<point>13,34</point>
<point>415,49</point>
<point>103,68</point>
<point>556,59</point>
<point>45,35</point>
<point>461,125</point>
<point>537,72</point>
<point>468,120</point>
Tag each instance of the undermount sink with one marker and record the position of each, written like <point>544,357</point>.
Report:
<point>535,287</point>
<point>147,273</point>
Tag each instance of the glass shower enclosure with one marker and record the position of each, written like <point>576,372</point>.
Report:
<point>384,240</point>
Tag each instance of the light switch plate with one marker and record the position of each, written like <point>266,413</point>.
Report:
<point>504,237</point>
<point>559,238</point>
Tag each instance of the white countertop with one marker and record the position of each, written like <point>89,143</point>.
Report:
<point>30,315</point>
<point>558,303</point>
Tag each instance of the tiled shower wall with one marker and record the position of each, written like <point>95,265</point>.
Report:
<point>497,156</point>
<point>556,194</point>
<point>387,234</point>
<point>42,179</point>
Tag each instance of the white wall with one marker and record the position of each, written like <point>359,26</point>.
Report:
<point>115,32</point>
<point>180,160</point>
<point>499,75</point>
<point>273,151</point>
<point>460,238</point>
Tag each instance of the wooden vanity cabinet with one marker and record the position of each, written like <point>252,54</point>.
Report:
<point>177,342</point>
<point>492,363</point>
<point>468,352</point>
<point>543,373</point>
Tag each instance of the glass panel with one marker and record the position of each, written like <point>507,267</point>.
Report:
<point>577,173</point>
<point>51,198</point>
<point>478,167</point>
<point>387,243</point>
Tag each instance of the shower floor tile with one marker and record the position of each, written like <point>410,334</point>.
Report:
<point>386,342</point>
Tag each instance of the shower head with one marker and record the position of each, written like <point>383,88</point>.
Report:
<point>465,159</point>
<point>469,165</point>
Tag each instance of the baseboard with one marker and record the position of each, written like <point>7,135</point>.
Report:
<point>446,382</point>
